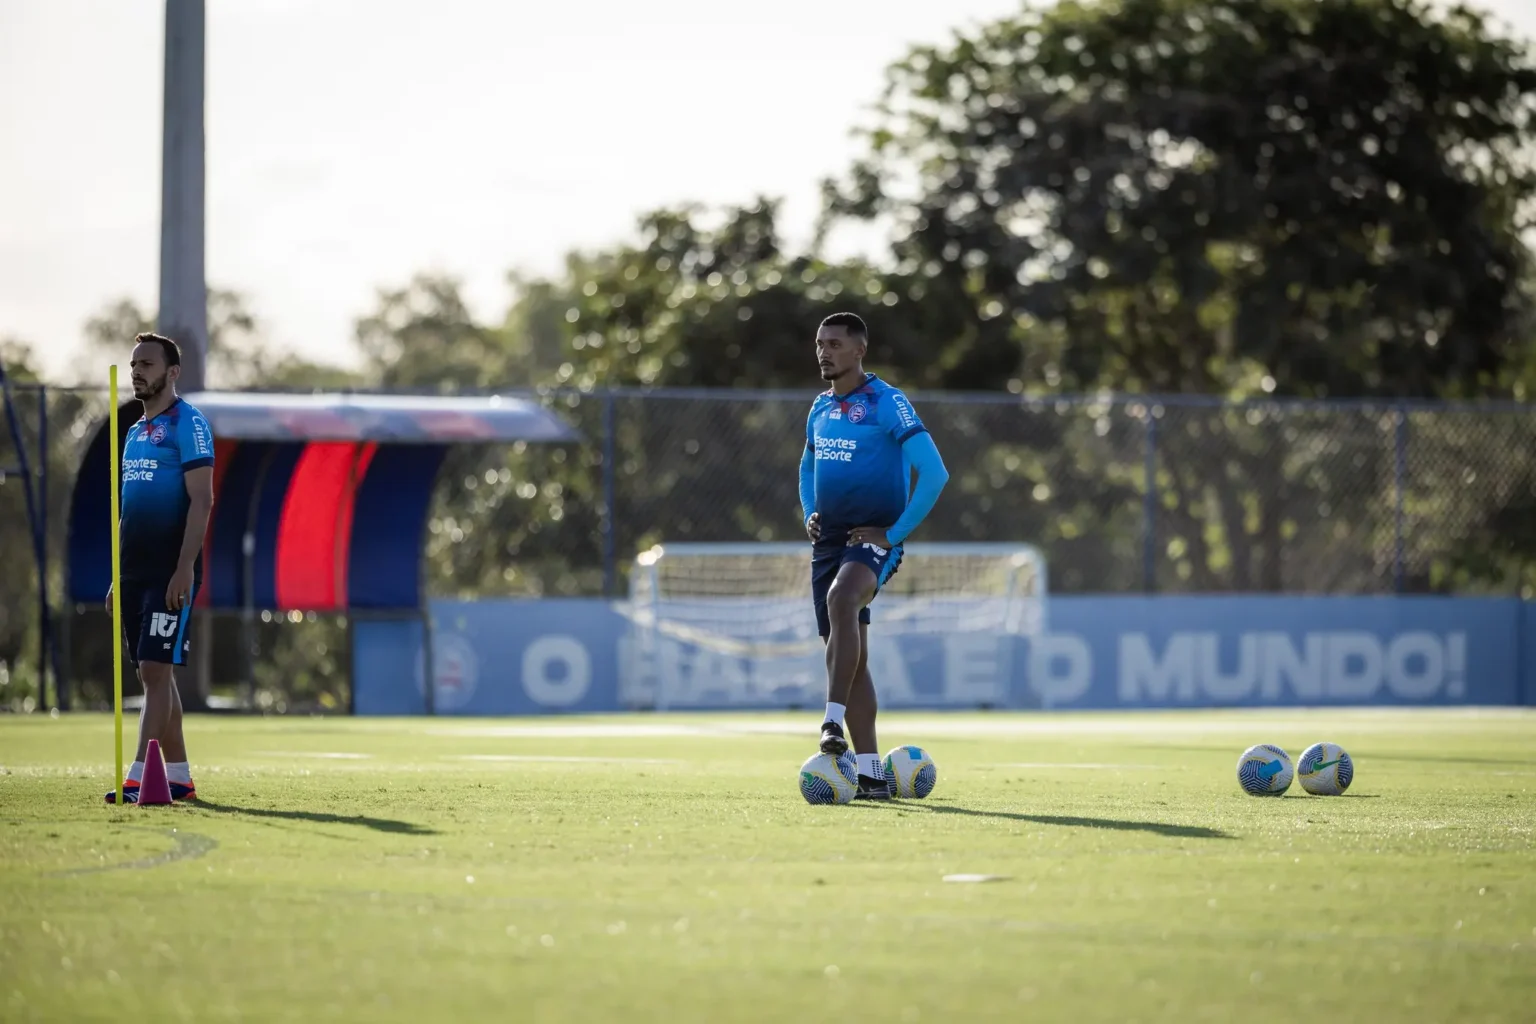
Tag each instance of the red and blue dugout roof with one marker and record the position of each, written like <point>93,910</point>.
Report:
<point>330,492</point>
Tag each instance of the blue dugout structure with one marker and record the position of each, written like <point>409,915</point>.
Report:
<point>321,500</point>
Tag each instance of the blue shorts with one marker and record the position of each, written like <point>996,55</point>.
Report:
<point>831,555</point>
<point>153,632</point>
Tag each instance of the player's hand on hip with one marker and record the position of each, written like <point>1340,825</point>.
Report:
<point>870,535</point>
<point>813,527</point>
<point>179,594</point>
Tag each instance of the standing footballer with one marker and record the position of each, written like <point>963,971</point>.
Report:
<point>862,442</point>
<point>166,500</point>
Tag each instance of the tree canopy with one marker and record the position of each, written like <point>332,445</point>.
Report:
<point>1321,199</point>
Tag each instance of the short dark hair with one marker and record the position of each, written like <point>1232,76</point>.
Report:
<point>171,349</point>
<point>851,322</point>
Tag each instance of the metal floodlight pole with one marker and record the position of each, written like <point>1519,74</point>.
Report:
<point>183,312</point>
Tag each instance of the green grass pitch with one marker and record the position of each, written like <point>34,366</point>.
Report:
<point>665,868</point>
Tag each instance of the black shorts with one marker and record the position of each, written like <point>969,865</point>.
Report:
<point>829,556</point>
<point>152,631</point>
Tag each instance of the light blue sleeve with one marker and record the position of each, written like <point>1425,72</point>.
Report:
<point>808,469</point>
<point>931,478</point>
<point>195,439</point>
<point>807,485</point>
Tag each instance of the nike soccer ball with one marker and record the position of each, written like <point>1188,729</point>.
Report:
<point>849,766</point>
<point>825,779</point>
<point>1325,770</point>
<point>911,771</point>
<point>1265,770</point>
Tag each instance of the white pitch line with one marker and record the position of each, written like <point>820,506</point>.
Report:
<point>1054,725</point>
<point>333,755</point>
<point>563,759</point>
<point>577,732</point>
<point>1072,764</point>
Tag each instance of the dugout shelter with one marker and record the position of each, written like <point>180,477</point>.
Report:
<point>320,501</point>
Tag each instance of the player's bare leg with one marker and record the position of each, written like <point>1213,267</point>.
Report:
<point>161,720</point>
<point>174,741</point>
<point>155,715</point>
<point>863,706</point>
<point>851,591</point>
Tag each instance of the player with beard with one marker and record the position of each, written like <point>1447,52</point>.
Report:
<point>862,442</point>
<point>167,497</point>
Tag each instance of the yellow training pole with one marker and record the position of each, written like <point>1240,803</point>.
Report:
<point>114,460</point>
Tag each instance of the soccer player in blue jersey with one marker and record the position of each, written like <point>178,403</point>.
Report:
<point>862,442</point>
<point>167,496</point>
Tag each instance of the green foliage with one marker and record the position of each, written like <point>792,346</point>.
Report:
<point>710,299</point>
<point>1201,195</point>
<point>422,337</point>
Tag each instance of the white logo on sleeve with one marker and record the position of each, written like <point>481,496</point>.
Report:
<point>202,438</point>
<point>904,411</point>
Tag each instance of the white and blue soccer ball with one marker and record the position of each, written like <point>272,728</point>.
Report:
<point>1325,770</point>
<point>825,779</point>
<point>1265,770</point>
<point>911,771</point>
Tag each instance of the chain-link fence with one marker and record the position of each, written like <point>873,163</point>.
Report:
<point>1175,495</point>
<point>1122,495</point>
<point>43,435</point>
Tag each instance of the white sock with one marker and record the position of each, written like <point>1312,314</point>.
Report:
<point>869,764</point>
<point>835,712</point>
<point>179,771</point>
<point>136,772</point>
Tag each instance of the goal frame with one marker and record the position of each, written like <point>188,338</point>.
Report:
<point>646,575</point>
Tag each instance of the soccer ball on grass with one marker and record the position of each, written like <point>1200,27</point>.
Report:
<point>1265,770</point>
<point>1325,770</point>
<point>911,771</point>
<point>825,779</point>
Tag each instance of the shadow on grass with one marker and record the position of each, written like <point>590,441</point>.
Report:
<point>321,818</point>
<point>1114,824</point>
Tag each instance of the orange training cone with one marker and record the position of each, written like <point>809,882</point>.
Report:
<point>154,788</point>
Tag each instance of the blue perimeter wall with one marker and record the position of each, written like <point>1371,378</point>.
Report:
<point>516,657</point>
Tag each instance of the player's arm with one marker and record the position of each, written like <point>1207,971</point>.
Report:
<point>931,478</point>
<point>200,496</point>
<point>199,483</point>
<point>907,429</point>
<point>195,439</point>
<point>808,486</point>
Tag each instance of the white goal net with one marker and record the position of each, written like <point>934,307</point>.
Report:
<point>733,624</point>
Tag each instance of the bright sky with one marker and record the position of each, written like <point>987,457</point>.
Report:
<point>352,143</point>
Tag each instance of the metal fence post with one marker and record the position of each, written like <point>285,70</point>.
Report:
<point>1399,477</point>
<point>1149,508</point>
<point>610,567</point>
<point>35,516</point>
<point>44,617</point>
